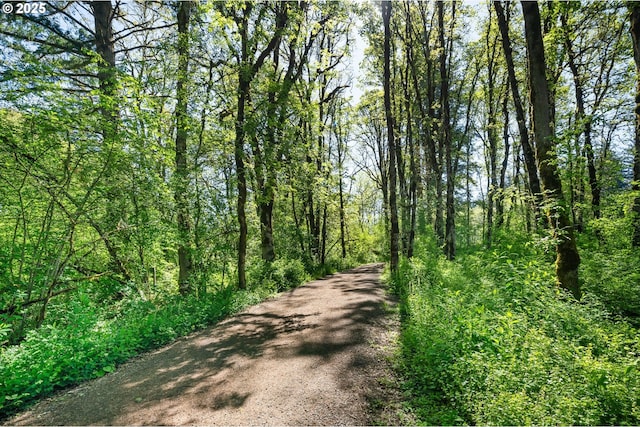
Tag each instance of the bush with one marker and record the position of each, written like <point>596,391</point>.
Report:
<point>489,339</point>
<point>288,273</point>
<point>277,276</point>
<point>614,277</point>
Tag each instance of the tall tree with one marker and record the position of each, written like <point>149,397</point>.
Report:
<point>103,15</point>
<point>271,146</point>
<point>584,120</point>
<point>635,36</point>
<point>505,158</point>
<point>567,257</point>
<point>248,67</point>
<point>394,232</point>
<point>491,47</point>
<point>341,146</point>
<point>424,88</point>
<point>182,171</point>
<point>445,135</point>
<point>411,204</point>
<point>527,148</point>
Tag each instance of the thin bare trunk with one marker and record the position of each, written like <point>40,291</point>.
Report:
<point>505,160</point>
<point>492,132</point>
<point>244,80</point>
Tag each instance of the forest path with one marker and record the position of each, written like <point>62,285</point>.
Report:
<point>312,356</point>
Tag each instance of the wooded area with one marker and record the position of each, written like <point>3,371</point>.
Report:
<point>160,159</point>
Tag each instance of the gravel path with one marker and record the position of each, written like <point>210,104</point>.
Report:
<point>312,356</point>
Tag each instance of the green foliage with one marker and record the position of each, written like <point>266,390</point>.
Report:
<point>5,330</point>
<point>279,275</point>
<point>489,339</point>
<point>614,229</point>
<point>614,276</point>
<point>86,340</point>
<point>609,268</point>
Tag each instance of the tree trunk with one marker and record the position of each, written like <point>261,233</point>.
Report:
<point>527,149</point>
<point>182,170</point>
<point>445,115</point>
<point>276,112</point>
<point>314,232</point>
<point>243,90</point>
<point>567,257</point>
<point>438,225</point>
<point>505,160</point>
<point>247,70</point>
<point>343,243</point>
<point>323,244</point>
<point>468,192</point>
<point>393,208</point>
<point>635,35</point>
<point>341,149</point>
<point>103,17</point>
<point>297,222</point>
<point>396,113</point>
<point>266,227</point>
<point>316,238</point>
<point>424,97</point>
<point>244,81</point>
<point>492,133</point>
<point>412,201</point>
<point>265,199</point>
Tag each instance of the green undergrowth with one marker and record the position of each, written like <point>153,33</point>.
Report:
<point>88,341</point>
<point>85,345</point>
<point>489,339</point>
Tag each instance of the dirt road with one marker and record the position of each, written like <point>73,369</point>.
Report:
<point>312,356</point>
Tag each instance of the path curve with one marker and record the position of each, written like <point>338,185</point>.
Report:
<point>311,356</point>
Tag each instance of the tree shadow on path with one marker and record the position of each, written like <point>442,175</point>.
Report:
<point>313,338</point>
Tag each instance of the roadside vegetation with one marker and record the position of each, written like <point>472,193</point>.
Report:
<point>87,338</point>
<point>489,339</point>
